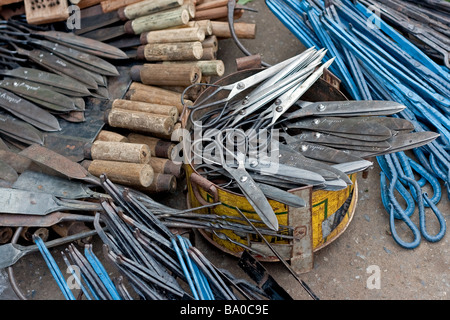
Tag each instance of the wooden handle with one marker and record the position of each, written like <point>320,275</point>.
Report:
<point>216,13</point>
<point>158,147</point>
<point>175,51</point>
<point>162,165</point>
<point>147,7</point>
<point>243,30</point>
<point>68,228</point>
<point>106,135</point>
<point>161,109</point>
<point>212,4</point>
<point>152,94</point>
<point>209,53</point>
<point>208,67</point>
<point>120,151</point>
<point>161,183</point>
<point>169,75</point>
<point>248,62</point>
<point>211,42</point>
<point>158,21</point>
<point>173,35</point>
<point>130,174</point>
<point>139,121</point>
<point>113,5</point>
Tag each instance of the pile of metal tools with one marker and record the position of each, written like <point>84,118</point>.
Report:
<point>324,142</point>
<point>49,76</point>
<point>155,262</point>
<point>374,60</point>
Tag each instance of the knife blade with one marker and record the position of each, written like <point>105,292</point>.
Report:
<point>48,78</point>
<point>19,130</point>
<point>28,111</point>
<point>25,89</point>
<point>92,46</point>
<point>83,59</point>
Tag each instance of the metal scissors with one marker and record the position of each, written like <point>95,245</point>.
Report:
<point>244,180</point>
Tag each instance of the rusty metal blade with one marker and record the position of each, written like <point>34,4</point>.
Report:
<point>28,112</point>
<point>24,220</point>
<point>7,172</point>
<point>83,59</point>
<point>60,66</point>
<point>47,78</point>
<point>19,130</point>
<point>83,43</point>
<point>105,34</point>
<point>26,89</point>
<point>58,163</point>
<point>98,21</point>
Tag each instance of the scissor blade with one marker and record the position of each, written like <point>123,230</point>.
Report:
<point>345,108</point>
<point>406,141</point>
<point>290,97</point>
<point>353,166</point>
<point>395,124</point>
<point>330,139</point>
<point>365,130</point>
<point>291,157</point>
<point>282,196</point>
<point>47,78</point>
<point>254,196</point>
<point>28,112</point>
<point>83,59</point>
<point>20,130</point>
<point>95,47</point>
<point>322,153</point>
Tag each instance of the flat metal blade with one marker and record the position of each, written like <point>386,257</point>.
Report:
<point>28,111</point>
<point>83,59</point>
<point>105,34</point>
<point>345,108</point>
<point>98,21</point>
<point>83,43</point>
<point>47,78</point>
<point>322,153</point>
<point>19,130</point>
<point>371,131</point>
<point>39,92</point>
<point>330,140</point>
<point>282,196</point>
<point>255,196</point>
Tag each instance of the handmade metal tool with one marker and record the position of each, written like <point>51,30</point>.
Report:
<point>11,253</point>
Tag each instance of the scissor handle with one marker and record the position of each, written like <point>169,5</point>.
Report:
<point>439,216</point>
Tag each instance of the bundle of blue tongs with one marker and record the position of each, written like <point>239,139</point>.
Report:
<point>375,61</point>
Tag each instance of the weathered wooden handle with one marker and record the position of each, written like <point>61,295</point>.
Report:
<point>161,183</point>
<point>173,35</point>
<point>130,174</point>
<point>243,30</point>
<point>113,5</point>
<point>162,165</point>
<point>161,109</point>
<point>157,95</point>
<point>144,8</point>
<point>168,75</point>
<point>158,147</point>
<point>106,135</point>
<point>139,121</point>
<point>174,51</point>
<point>120,151</point>
<point>208,67</point>
<point>158,21</point>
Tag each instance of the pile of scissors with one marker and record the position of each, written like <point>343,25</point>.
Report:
<point>375,61</point>
<point>304,143</point>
